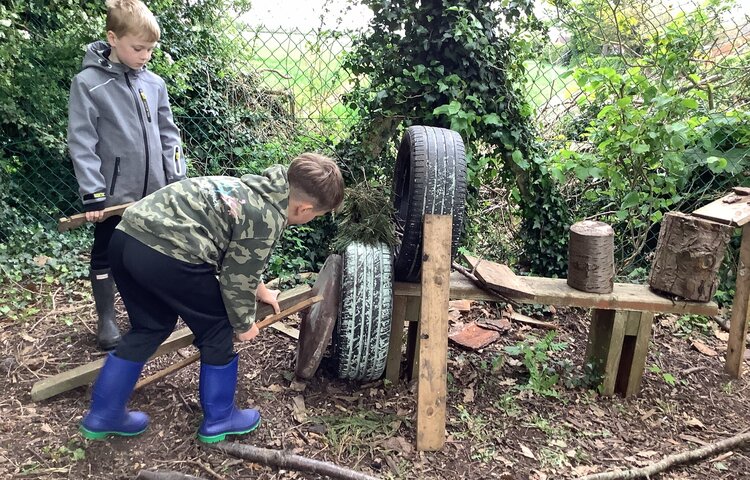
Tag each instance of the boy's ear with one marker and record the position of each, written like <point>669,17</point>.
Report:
<point>111,37</point>
<point>304,207</point>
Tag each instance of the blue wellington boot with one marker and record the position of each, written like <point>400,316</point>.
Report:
<point>108,415</point>
<point>220,416</point>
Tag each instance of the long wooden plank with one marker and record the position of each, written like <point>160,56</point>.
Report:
<point>85,374</point>
<point>432,386</point>
<point>740,309</point>
<point>732,209</point>
<point>555,291</point>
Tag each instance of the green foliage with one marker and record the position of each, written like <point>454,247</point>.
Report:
<point>666,376</point>
<point>535,356</point>
<point>40,51</point>
<point>446,63</point>
<point>31,250</point>
<point>651,132</point>
<point>302,248</point>
<point>357,431</point>
<point>687,325</point>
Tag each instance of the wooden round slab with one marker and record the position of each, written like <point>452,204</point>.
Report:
<point>316,328</point>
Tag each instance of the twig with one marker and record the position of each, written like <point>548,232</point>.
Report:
<point>672,460</point>
<point>165,475</point>
<point>690,370</point>
<point>281,459</point>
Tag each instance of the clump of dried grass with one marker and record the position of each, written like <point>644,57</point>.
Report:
<point>366,216</point>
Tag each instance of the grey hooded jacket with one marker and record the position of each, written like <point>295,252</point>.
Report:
<point>121,136</point>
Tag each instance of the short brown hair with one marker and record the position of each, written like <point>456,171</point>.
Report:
<point>318,178</point>
<point>132,17</point>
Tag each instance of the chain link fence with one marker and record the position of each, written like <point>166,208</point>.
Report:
<point>643,106</point>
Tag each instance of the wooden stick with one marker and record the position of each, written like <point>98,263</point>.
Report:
<point>75,221</point>
<point>289,461</point>
<point>672,460</point>
<point>271,319</point>
<point>164,475</point>
<point>84,374</point>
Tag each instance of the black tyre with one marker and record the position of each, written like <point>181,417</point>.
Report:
<point>430,177</point>
<point>364,324</point>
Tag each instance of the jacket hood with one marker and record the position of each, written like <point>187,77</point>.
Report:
<point>97,56</point>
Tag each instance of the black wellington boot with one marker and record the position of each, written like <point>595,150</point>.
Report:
<point>103,287</point>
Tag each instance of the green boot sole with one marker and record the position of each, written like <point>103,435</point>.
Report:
<point>220,437</point>
<point>102,435</point>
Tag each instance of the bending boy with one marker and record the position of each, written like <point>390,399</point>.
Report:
<point>165,256</point>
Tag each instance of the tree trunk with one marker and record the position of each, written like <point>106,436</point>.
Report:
<point>688,256</point>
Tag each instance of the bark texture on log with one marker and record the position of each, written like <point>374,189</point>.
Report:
<point>688,256</point>
<point>591,257</point>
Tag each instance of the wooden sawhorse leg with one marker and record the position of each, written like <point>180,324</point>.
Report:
<point>617,348</point>
<point>740,309</point>
<point>405,310</point>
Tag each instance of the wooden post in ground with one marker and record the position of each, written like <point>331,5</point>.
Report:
<point>734,210</point>
<point>432,385</point>
<point>740,309</point>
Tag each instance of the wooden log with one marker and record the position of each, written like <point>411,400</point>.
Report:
<point>689,253</point>
<point>591,257</point>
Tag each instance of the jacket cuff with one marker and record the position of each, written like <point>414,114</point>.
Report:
<point>94,201</point>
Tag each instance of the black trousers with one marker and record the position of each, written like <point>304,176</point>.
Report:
<point>102,236</point>
<point>155,289</point>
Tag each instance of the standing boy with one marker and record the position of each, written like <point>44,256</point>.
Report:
<point>121,136</point>
<point>166,255</point>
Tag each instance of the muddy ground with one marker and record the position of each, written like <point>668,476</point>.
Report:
<point>495,428</point>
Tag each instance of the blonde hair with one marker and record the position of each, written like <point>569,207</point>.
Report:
<point>318,178</point>
<point>132,17</point>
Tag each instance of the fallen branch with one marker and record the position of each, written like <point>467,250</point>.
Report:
<point>281,459</point>
<point>165,475</point>
<point>672,460</point>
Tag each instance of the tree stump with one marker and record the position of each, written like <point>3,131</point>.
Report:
<point>688,256</point>
<point>591,257</point>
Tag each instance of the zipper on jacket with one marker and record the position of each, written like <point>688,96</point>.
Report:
<point>145,104</point>
<point>145,135</point>
<point>177,163</point>
<point>115,174</point>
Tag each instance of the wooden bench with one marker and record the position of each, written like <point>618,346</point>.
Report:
<point>618,338</point>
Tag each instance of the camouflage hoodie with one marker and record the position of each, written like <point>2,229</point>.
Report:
<point>230,223</point>
<point>121,136</point>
